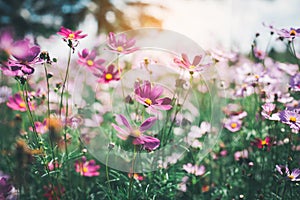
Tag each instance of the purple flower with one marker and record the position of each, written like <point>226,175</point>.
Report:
<point>149,143</point>
<point>25,55</point>
<point>120,43</point>
<point>89,60</point>
<point>268,108</point>
<point>292,176</point>
<point>292,33</point>
<point>291,118</point>
<point>233,124</point>
<point>150,97</point>
<point>295,82</point>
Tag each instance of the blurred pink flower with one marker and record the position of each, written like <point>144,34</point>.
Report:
<point>259,54</point>
<point>136,176</point>
<point>40,127</point>
<point>120,43</point>
<point>87,168</point>
<point>17,103</point>
<point>150,97</point>
<point>233,124</point>
<point>194,169</point>
<point>240,154</point>
<point>194,66</point>
<point>90,60</point>
<point>149,143</point>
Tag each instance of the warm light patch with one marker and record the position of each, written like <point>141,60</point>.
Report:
<point>136,133</point>
<point>90,63</point>
<point>148,102</point>
<point>71,36</point>
<point>108,76</point>
<point>120,49</point>
<point>293,119</point>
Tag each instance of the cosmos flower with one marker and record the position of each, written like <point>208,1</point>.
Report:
<point>120,43</point>
<point>87,168</point>
<point>40,127</point>
<point>194,66</point>
<point>289,33</point>
<point>295,82</point>
<point>194,169</point>
<point>290,118</point>
<point>17,103</point>
<point>268,108</point>
<point>137,133</point>
<point>7,190</point>
<point>262,143</point>
<point>292,176</point>
<point>25,56</point>
<point>150,97</point>
<point>89,60</point>
<point>241,154</point>
<point>71,37</point>
<point>233,124</point>
<point>108,75</point>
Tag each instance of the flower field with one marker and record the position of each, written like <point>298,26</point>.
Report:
<point>148,114</point>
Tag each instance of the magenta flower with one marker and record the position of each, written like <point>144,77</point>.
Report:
<point>87,168</point>
<point>292,176</point>
<point>89,60</point>
<point>259,54</point>
<point>262,143</point>
<point>194,66</point>
<point>150,97</point>
<point>194,169</point>
<point>233,124</point>
<point>109,74</point>
<point>291,118</point>
<point>17,103</point>
<point>295,82</point>
<point>120,43</point>
<point>25,55</point>
<point>40,127</point>
<point>241,155</point>
<point>149,143</point>
<point>70,35</point>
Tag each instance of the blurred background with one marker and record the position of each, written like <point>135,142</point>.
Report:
<point>226,24</point>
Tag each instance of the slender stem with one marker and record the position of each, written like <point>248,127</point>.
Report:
<point>107,176</point>
<point>132,174</point>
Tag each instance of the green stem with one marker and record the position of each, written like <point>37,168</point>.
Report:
<point>132,174</point>
<point>107,176</point>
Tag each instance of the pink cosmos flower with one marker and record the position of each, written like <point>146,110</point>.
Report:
<point>149,143</point>
<point>233,124</point>
<point>292,33</point>
<point>87,168</point>
<point>17,103</point>
<point>120,43</point>
<point>268,108</point>
<point>194,66</point>
<point>89,60</point>
<point>150,97</point>
<point>25,55</point>
<point>71,35</point>
<point>194,169</point>
<point>109,74</point>
<point>292,176</point>
<point>262,143</point>
<point>40,127</point>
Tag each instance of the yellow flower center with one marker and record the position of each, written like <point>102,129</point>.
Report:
<point>120,49</point>
<point>291,176</point>
<point>108,76</point>
<point>89,62</point>
<point>85,169</point>
<point>256,76</point>
<point>136,133</point>
<point>71,36</point>
<point>192,66</point>
<point>146,61</point>
<point>263,142</point>
<point>148,102</point>
<point>293,32</point>
<point>22,105</point>
<point>293,119</point>
<point>233,125</point>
